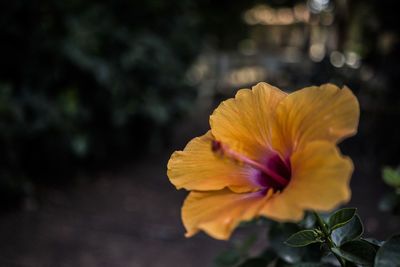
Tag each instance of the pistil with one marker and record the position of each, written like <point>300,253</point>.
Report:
<point>225,150</point>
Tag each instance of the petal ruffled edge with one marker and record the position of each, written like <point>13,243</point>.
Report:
<point>315,113</point>
<point>244,122</point>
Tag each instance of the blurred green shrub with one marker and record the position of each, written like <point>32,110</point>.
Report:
<point>83,82</point>
<point>391,200</point>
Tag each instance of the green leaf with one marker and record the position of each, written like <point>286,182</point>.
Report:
<point>302,238</point>
<point>341,217</point>
<point>313,253</point>
<point>391,176</point>
<point>377,244</point>
<point>389,253</point>
<point>348,232</point>
<point>278,233</point>
<point>308,220</point>
<point>255,262</point>
<point>357,251</point>
<point>227,258</point>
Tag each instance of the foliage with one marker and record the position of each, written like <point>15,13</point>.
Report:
<point>339,235</point>
<point>388,254</point>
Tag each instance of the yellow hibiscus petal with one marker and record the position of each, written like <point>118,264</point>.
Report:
<point>197,167</point>
<point>315,113</point>
<point>219,212</point>
<point>320,177</point>
<point>244,122</point>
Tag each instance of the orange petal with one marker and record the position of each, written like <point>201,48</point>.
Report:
<point>315,113</point>
<point>198,168</point>
<point>244,122</point>
<point>219,212</point>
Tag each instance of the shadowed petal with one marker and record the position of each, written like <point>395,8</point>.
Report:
<point>244,122</point>
<point>219,212</point>
<point>315,113</point>
<point>198,168</point>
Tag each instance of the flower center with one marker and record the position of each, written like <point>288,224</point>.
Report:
<point>271,173</point>
<point>280,168</point>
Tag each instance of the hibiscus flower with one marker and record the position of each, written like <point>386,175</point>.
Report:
<point>268,154</point>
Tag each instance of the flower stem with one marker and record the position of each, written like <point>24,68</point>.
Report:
<point>328,240</point>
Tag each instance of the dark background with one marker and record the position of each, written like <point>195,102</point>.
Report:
<point>96,95</point>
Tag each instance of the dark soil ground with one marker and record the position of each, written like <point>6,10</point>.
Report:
<point>129,218</point>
